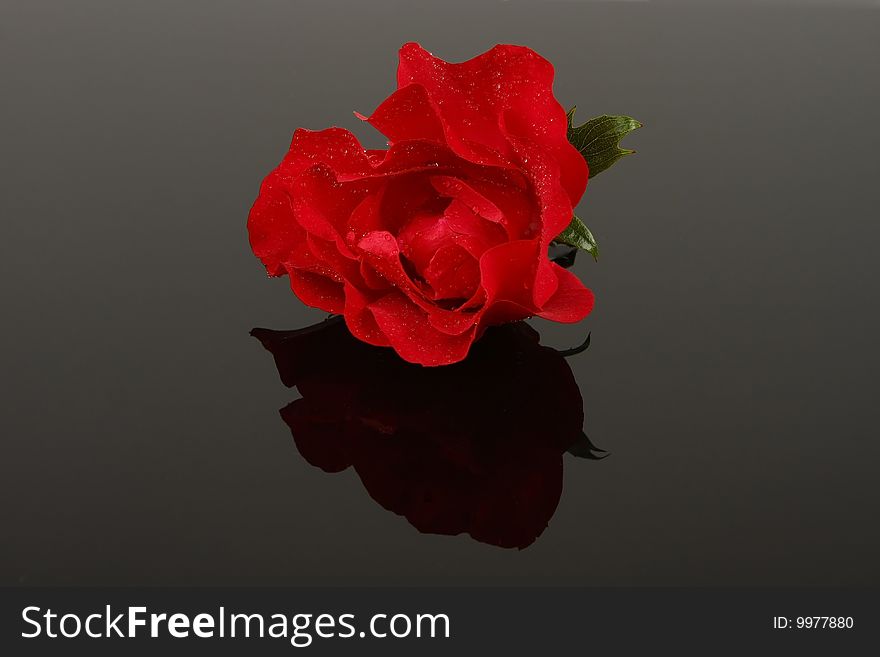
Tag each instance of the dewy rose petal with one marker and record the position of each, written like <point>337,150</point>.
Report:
<point>423,246</point>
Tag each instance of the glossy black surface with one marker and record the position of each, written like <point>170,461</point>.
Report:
<point>473,448</point>
<point>733,368</point>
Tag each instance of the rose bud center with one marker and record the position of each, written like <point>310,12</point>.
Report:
<point>441,246</point>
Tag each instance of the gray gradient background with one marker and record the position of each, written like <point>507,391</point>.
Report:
<point>733,372</point>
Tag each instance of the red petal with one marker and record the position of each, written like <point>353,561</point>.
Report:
<point>272,230</point>
<point>379,250</point>
<point>317,291</point>
<point>453,273</point>
<point>573,170</point>
<point>544,173</point>
<point>381,253</point>
<point>328,255</point>
<point>364,218</point>
<point>408,114</point>
<point>502,312</point>
<point>511,272</point>
<point>509,86</point>
<point>336,148</point>
<point>474,233</point>
<point>323,206</point>
<point>421,237</point>
<point>512,193</point>
<point>408,157</point>
<point>571,302</point>
<point>359,319</point>
<point>413,337</point>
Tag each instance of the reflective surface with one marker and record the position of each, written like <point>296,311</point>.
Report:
<point>733,366</point>
<point>471,448</point>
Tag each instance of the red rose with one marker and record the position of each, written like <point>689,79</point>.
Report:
<point>423,246</point>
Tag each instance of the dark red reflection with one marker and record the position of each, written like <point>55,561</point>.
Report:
<point>474,447</point>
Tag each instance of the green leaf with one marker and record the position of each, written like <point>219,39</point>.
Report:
<point>598,140</point>
<point>578,235</point>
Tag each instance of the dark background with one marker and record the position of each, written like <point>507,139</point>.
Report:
<point>733,371</point>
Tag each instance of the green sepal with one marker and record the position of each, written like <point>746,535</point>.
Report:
<point>598,140</point>
<point>579,236</point>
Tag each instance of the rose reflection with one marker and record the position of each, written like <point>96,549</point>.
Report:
<point>474,447</point>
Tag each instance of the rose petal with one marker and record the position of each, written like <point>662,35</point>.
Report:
<point>317,291</point>
<point>358,318</point>
<point>421,237</point>
<point>509,86</point>
<point>407,114</point>
<point>571,302</point>
<point>336,148</point>
<point>458,189</point>
<point>512,193</point>
<point>404,197</point>
<point>379,249</point>
<point>330,259</point>
<point>511,272</point>
<point>408,157</point>
<point>323,206</point>
<point>453,273</point>
<point>413,337</point>
<point>272,230</point>
<point>381,254</point>
<point>556,208</point>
